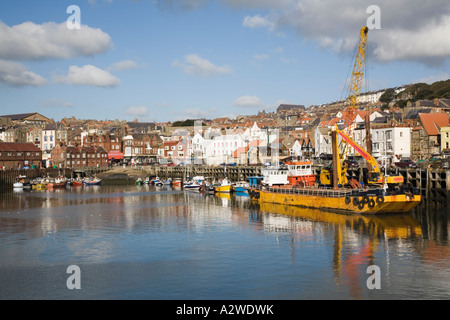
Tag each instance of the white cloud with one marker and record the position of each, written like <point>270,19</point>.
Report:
<point>198,113</point>
<point>258,22</point>
<point>123,65</point>
<point>30,41</point>
<point>410,29</point>
<point>16,74</point>
<point>433,78</point>
<point>194,65</point>
<point>248,101</point>
<point>261,57</point>
<point>88,75</point>
<point>54,102</point>
<point>137,111</point>
<point>183,5</point>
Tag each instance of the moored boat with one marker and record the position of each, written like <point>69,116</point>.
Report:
<point>240,186</point>
<point>58,182</point>
<point>92,181</point>
<point>224,186</point>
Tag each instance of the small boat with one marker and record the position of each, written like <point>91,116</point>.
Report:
<point>77,183</point>
<point>20,180</point>
<point>58,182</point>
<point>192,186</point>
<point>92,182</point>
<point>241,186</point>
<point>224,186</point>
<point>38,184</point>
<point>155,181</point>
<point>168,182</point>
<point>176,182</point>
<point>139,182</point>
<point>146,181</point>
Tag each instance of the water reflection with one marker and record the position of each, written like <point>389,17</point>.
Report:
<point>225,245</point>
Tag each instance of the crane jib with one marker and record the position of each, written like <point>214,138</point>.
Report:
<point>355,146</point>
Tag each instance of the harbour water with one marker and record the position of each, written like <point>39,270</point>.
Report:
<point>144,242</point>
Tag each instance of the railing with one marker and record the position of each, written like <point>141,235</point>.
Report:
<point>324,192</point>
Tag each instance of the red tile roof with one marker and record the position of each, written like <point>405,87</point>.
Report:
<point>432,122</point>
<point>14,146</point>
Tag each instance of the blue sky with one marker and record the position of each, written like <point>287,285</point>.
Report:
<point>176,59</point>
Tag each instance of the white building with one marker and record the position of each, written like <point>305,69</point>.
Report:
<point>48,137</point>
<point>390,142</point>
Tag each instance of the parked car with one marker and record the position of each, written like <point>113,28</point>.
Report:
<point>326,156</point>
<point>407,163</point>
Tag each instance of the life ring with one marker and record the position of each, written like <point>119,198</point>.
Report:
<point>380,199</point>
<point>361,205</point>
<point>365,199</point>
<point>371,203</point>
<point>348,200</point>
<point>355,201</point>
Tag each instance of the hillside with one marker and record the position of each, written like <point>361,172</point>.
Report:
<point>423,91</point>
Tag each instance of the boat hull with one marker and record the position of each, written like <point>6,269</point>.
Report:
<point>224,189</point>
<point>333,202</point>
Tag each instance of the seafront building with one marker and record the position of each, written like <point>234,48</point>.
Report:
<point>418,131</point>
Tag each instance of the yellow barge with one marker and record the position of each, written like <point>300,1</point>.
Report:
<point>370,201</point>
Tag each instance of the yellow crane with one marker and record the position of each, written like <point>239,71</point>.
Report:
<point>357,77</point>
<point>337,174</point>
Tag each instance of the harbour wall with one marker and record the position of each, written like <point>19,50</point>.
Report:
<point>433,183</point>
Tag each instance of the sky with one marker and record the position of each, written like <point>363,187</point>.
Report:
<point>171,60</point>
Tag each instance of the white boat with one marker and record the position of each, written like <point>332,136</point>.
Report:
<point>168,182</point>
<point>18,184</point>
<point>241,186</point>
<point>21,182</point>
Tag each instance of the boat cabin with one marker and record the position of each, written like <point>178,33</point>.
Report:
<point>275,176</point>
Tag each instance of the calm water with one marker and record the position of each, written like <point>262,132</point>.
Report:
<point>135,242</point>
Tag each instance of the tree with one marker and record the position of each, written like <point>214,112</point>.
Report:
<point>388,96</point>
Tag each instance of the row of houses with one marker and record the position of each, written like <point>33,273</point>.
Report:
<point>420,131</point>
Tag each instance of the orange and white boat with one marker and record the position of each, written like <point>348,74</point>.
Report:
<point>300,173</point>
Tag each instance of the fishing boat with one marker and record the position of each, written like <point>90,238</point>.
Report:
<point>176,182</point>
<point>77,183</point>
<point>92,181</point>
<point>192,185</point>
<point>155,181</point>
<point>240,186</point>
<point>223,186</point>
<point>146,180</point>
<point>167,182</point>
<point>58,182</point>
<point>38,184</point>
<point>139,181</point>
<point>300,173</point>
<point>21,182</point>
